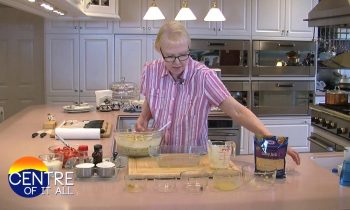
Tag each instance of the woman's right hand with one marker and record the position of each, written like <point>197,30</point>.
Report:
<point>141,125</point>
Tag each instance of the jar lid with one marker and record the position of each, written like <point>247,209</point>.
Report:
<point>97,146</point>
<point>83,148</point>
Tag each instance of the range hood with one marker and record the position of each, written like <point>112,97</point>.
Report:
<point>330,12</point>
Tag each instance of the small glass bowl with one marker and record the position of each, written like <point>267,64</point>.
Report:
<point>263,180</point>
<point>227,179</point>
<point>53,162</point>
<point>194,181</point>
<point>135,184</point>
<point>164,184</point>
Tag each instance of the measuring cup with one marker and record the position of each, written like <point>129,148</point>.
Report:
<point>220,153</point>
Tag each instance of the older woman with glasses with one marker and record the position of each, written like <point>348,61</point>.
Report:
<point>179,91</point>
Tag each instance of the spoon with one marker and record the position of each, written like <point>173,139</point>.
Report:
<point>62,140</point>
<point>166,125</point>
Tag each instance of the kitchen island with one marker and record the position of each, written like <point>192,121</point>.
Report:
<point>307,186</point>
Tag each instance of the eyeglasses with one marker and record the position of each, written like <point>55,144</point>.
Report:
<point>173,58</point>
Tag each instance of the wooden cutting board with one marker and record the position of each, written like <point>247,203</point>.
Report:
<point>148,167</point>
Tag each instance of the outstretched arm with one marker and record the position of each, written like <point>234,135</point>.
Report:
<point>247,119</point>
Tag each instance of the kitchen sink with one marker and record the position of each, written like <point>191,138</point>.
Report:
<point>328,162</point>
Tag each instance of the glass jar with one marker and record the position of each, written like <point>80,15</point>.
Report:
<point>97,154</point>
<point>83,154</point>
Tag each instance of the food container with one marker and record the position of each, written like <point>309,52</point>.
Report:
<point>336,97</point>
<point>194,181</point>
<point>124,90</point>
<point>227,179</point>
<point>105,169</point>
<point>180,156</point>
<point>69,153</point>
<point>84,170</point>
<point>53,162</point>
<point>164,184</point>
<point>133,184</point>
<point>136,144</point>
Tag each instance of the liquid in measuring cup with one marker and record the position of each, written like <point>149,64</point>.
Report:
<point>220,153</point>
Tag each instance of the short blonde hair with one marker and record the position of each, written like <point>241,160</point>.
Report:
<point>172,31</point>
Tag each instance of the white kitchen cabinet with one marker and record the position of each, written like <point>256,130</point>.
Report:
<point>101,8</point>
<point>96,63</point>
<point>132,12</point>
<point>281,19</point>
<point>296,128</point>
<point>76,27</point>
<point>76,67</point>
<point>236,12</point>
<point>132,52</point>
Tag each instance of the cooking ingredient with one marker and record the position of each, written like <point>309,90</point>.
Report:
<point>67,152</point>
<point>225,185</point>
<point>131,143</point>
<point>53,165</point>
<point>83,153</point>
<point>105,164</point>
<point>85,165</point>
<point>97,154</point>
<point>270,153</point>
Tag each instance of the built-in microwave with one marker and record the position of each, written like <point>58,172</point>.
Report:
<point>284,58</point>
<point>233,57</point>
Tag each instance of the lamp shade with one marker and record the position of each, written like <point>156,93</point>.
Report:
<point>153,13</point>
<point>214,14</point>
<point>185,13</point>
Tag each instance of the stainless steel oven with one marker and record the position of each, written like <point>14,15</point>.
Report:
<point>240,90</point>
<point>271,98</point>
<point>330,127</point>
<point>321,144</point>
<point>283,58</point>
<point>233,57</point>
<point>222,128</point>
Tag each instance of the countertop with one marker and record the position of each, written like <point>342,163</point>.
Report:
<point>307,186</point>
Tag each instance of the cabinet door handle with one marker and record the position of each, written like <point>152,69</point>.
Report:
<point>220,29</point>
<point>76,91</point>
<point>143,28</point>
<point>284,85</point>
<point>81,91</point>
<point>149,28</point>
<point>282,33</point>
<point>287,32</point>
<point>214,29</point>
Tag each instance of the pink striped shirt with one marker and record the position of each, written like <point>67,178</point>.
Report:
<point>186,104</point>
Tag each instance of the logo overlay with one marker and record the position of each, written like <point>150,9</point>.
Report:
<point>29,177</point>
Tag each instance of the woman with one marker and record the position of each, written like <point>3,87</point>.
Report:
<point>180,90</point>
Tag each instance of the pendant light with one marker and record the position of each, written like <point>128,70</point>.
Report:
<point>153,13</point>
<point>185,12</point>
<point>214,13</point>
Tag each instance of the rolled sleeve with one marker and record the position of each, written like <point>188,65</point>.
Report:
<point>215,89</point>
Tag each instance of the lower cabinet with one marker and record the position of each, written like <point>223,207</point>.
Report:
<point>297,129</point>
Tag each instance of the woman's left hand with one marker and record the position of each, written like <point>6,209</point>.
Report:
<point>294,155</point>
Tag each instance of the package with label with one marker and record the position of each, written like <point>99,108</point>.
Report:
<point>270,153</point>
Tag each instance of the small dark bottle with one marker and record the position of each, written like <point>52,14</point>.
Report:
<point>97,154</point>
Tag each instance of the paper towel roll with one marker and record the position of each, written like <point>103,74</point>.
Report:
<point>78,133</point>
<point>102,95</point>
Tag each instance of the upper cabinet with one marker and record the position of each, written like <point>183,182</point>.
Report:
<point>281,19</point>
<point>132,12</point>
<point>75,27</point>
<point>236,12</point>
<point>101,8</point>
